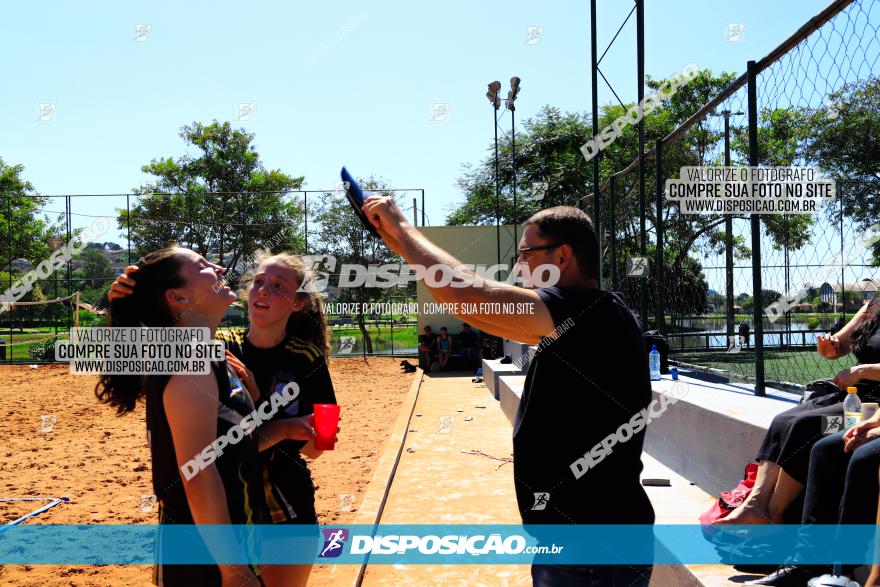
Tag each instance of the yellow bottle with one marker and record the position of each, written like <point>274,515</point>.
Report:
<point>852,408</point>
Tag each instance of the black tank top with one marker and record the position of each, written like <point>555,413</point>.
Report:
<point>239,465</point>
<point>869,353</point>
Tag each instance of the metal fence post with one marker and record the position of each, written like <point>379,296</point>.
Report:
<point>68,201</point>
<point>660,320</point>
<point>594,68</point>
<point>128,224</point>
<point>756,235</point>
<point>728,243</point>
<point>643,249</point>
<point>612,203</point>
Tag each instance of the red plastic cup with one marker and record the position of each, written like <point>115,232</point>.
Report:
<point>326,424</point>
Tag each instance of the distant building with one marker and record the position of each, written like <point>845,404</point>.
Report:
<point>867,289</point>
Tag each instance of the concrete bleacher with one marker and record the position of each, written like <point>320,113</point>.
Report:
<point>493,370</point>
<point>702,444</point>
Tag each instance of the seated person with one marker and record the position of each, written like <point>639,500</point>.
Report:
<point>842,483</point>
<point>468,344</point>
<point>427,347</point>
<point>444,347</point>
<point>784,455</point>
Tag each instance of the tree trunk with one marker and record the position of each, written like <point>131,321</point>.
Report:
<point>368,342</point>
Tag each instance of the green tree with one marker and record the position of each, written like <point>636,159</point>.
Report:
<point>341,235</point>
<point>96,268</point>
<point>222,198</point>
<point>843,139</point>
<point>23,232</point>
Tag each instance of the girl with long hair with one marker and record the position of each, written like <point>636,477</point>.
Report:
<point>286,342</point>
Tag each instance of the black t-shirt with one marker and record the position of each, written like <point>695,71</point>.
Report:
<point>238,465</point>
<point>467,339</point>
<point>429,341</point>
<point>293,360</point>
<point>579,389</point>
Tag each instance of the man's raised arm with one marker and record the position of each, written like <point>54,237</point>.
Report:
<point>416,249</point>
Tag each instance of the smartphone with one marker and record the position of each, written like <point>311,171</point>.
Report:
<point>356,198</point>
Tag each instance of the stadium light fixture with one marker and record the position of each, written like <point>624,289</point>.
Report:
<point>492,94</point>
<point>514,90</point>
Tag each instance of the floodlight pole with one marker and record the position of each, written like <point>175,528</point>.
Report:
<point>513,146</point>
<point>497,191</point>
<point>595,115</point>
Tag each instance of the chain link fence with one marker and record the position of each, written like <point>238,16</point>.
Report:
<point>708,283</point>
<point>226,228</point>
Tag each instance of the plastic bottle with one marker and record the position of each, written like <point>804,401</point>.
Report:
<point>852,408</point>
<point>654,363</point>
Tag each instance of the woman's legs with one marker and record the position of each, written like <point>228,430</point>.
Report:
<point>785,492</point>
<point>756,507</point>
<point>874,577</point>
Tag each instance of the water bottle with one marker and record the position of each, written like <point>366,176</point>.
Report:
<point>852,408</point>
<point>654,363</point>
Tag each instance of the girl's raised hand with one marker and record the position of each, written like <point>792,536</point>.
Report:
<point>124,285</point>
<point>828,346</point>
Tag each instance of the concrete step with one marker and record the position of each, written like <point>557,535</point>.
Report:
<point>511,389</point>
<point>493,369</point>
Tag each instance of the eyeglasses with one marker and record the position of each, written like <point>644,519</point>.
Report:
<point>523,252</point>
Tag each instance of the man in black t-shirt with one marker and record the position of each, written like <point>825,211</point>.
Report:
<point>588,381</point>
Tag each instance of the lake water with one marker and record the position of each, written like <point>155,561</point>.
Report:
<point>794,333</point>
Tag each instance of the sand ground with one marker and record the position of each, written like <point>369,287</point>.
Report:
<point>102,462</point>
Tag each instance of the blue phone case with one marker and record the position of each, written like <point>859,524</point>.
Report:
<point>356,198</point>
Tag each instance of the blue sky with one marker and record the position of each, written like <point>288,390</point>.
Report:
<point>362,97</point>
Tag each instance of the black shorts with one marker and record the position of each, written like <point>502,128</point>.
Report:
<point>293,492</point>
<point>191,575</point>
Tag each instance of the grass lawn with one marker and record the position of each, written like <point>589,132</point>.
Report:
<point>21,342</point>
<point>404,336</point>
<point>795,366</point>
